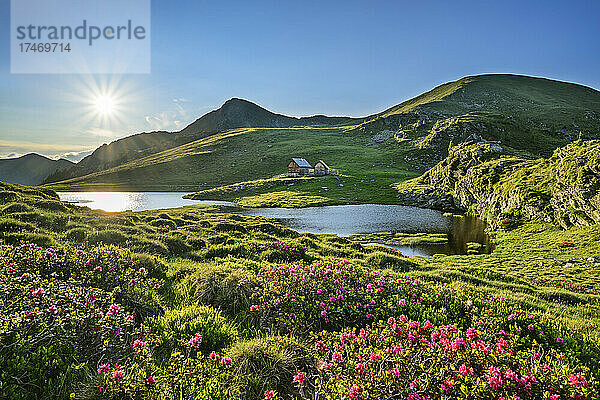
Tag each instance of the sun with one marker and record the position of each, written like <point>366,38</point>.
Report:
<point>104,105</point>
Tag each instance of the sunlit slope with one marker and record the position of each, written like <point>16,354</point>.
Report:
<point>533,115</point>
<point>526,116</point>
<point>246,154</point>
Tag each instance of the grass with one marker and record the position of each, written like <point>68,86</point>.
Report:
<point>214,265</point>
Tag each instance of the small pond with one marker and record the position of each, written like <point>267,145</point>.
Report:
<point>340,220</point>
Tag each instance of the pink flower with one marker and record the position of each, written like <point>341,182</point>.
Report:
<point>328,366</point>
<point>226,361</point>
<point>447,385</point>
<point>472,333</point>
<point>254,307</point>
<point>375,357</point>
<point>355,393</point>
<point>494,378</point>
<point>142,270</point>
<point>195,340</point>
<point>361,368</point>
<point>395,372</point>
<point>269,394</point>
<point>336,357</point>
<point>578,380</point>
<point>38,292</point>
<point>511,317</point>
<point>321,345</point>
<point>213,355</point>
<point>414,396</point>
<point>299,377</point>
<point>139,343</point>
<point>530,327</point>
<point>458,344</point>
<point>150,380</point>
<point>118,374</point>
<point>560,340</point>
<point>104,368</point>
<point>465,371</point>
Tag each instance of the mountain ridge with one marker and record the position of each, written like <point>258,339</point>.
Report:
<point>30,169</point>
<point>524,115</point>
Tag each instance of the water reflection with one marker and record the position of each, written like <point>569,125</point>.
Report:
<point>134,201</point>
<point>371,218</point>
<point>339,220</point>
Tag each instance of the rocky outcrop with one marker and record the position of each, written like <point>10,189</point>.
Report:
<point>564,189</point>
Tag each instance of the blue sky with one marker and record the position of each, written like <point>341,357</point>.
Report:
<point>298,58</point>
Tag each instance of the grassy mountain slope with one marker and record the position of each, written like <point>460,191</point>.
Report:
<point>234,113</point>
<point>116,298</point>
<point>523,116</point>
<point>506,190</point>
<point>534,115</point>
<point>246,154</point>
<point>30,169</point>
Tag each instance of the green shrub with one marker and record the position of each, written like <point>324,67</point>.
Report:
<point>150,246</point>
<point>229,227</point>
<point>8,196</point>
<point>51,205</point>
<point>13,225</point>
<point>16,208</point>
<point>176,327</point>
<point>163,223</point>
<point>381,260</point>
<point>108,236</point>
<point>196,243</point>
<point>40,239</point>
<point>224,250</point>
<point>270,363</point>
<point>176,245</point>
<point>77,234</point>
<point>221,286</point>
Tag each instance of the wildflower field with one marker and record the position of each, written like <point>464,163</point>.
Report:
<point>191,303</point>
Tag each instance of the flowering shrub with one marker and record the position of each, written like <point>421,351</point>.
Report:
<point>197,329</point>
<point>53,331</point>
<point>407,359</point>
<point>279,251</point>
<point>337,294</point>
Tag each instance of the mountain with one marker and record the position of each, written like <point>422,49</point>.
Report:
<point>234,113</point>
<point>30,169</point>
<point>535,115</point>
<point>518,115</point>
<point>240,113</point>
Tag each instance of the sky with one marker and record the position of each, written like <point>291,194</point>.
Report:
<point>298,58</point>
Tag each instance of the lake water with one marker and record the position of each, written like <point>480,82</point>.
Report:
<point>371,218</point>
<point>340,220</point>
<point>134,201</point>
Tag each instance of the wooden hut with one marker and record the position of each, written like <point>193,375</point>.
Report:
<point>299,166</point>
<point>321,168</point>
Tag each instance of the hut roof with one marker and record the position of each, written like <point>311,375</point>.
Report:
<point>323,162</point>
<point>302,163</point>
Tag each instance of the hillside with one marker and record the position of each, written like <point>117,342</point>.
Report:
<point>234,113</point>
<point>507,190</point>
<point>522,116</point>
<point>194,303</point>
<point>527,114</point>
<point>30,169</point>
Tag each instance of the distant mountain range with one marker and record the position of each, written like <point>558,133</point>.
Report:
<point>30,169</point>
<point>241,140</point>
